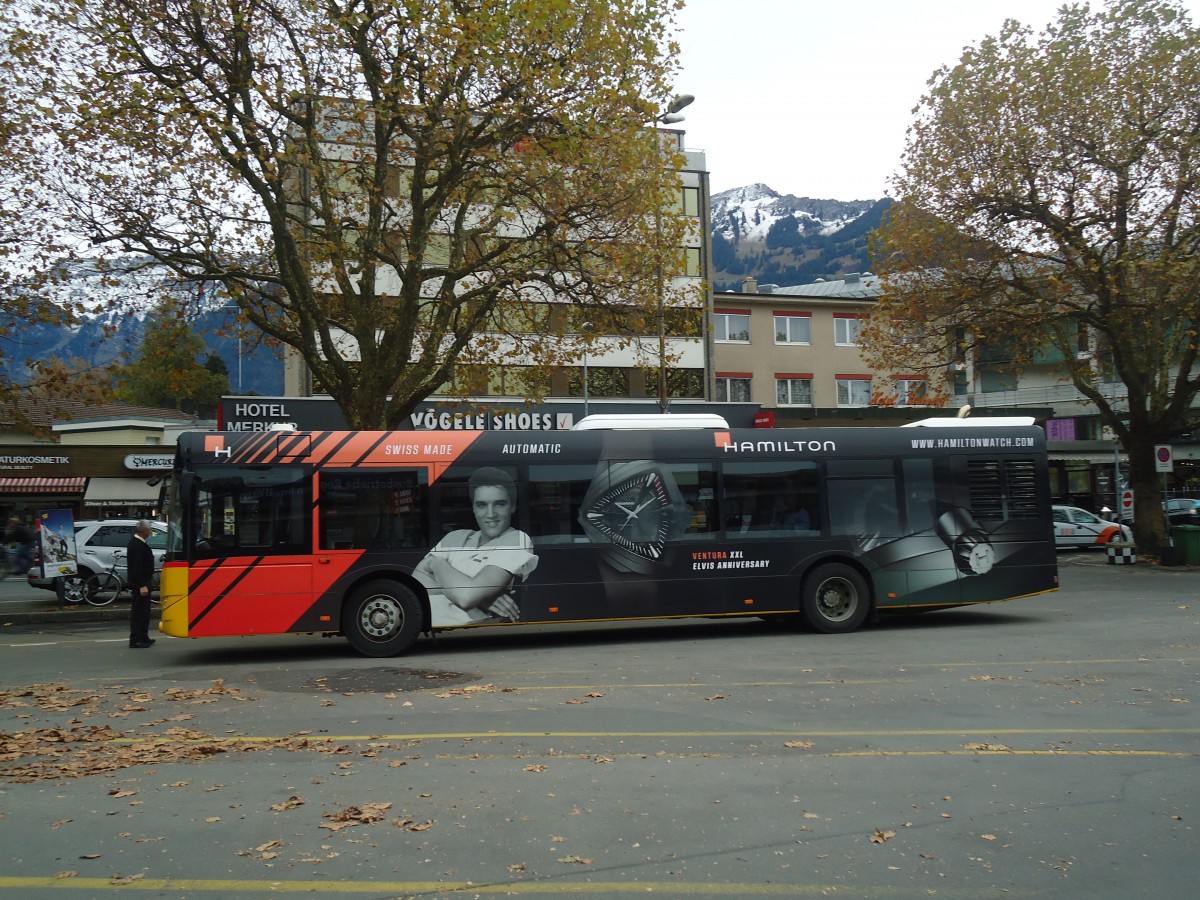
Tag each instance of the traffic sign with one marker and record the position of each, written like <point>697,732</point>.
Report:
<point>1164,460</point>
<point>1126,504</point>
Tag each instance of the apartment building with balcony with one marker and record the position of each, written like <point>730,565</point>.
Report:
<point>1087,464</point>
<point>794,351</point>
<point>613,365</point>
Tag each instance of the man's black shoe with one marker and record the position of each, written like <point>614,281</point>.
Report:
<point>141,645</point>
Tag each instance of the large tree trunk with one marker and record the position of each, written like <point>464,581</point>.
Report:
<point>1149,523</point>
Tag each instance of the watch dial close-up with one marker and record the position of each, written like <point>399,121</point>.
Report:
<point>634,514</point>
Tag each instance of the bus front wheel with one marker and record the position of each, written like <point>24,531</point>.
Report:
<point>382,618</point>
<point>835,599</point>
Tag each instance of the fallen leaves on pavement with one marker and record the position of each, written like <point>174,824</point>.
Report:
<point>262,851</point>
<point>367,814</point>
<point>76,748</point>
<point>474,689</point>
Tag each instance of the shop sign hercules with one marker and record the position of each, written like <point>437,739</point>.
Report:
<point>156,462</point>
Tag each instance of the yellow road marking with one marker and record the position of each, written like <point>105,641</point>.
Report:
<point>549,886</point>
<point>987,752</point>
<point>1171,754</point>
<point>1048,733</point>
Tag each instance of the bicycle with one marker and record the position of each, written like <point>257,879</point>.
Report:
<point>74,590</point>
<point>104,587</point>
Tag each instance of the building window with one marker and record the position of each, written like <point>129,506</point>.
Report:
<point>682,321</point>
<point>603,381</point>
<point>733,388</point>
<point>689,203</point>
<point>854,390</point>
<point>911,391</point>
<point>1083,344</point>
<point>846,329</point>
<point>691,257</point>
<point>495,381</point>
<point>793,329</point>
<point>793,390</point>
<point>681,383</point>
<point>960,383</point>
<point>732,327</point>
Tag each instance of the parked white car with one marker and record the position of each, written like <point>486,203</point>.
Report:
<point>97,543</point>
<point>1075,527</point>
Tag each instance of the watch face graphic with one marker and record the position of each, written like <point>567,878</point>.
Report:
<point>973,554</point>
<point>973,550</point>
<point>633,510</point>
<point>634,514</point>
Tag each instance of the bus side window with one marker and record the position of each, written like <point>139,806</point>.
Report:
<point>453,507</point>
<point>740,498</point>
<point>555,498</point>
<point>697,483</point>
<point>771,499</point>
<point>920,496</point>
<point>379,510</point>
<point>456,507</point>
<point>863,506</point>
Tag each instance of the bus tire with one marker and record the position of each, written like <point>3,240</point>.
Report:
<point>382,618</point>
<point>835,598</point>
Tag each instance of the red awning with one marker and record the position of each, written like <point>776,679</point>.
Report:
<point>42,485</point>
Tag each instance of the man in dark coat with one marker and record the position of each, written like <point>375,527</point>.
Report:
<point>140,562</point>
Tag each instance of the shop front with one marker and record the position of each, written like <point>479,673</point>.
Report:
<point>93,482</point>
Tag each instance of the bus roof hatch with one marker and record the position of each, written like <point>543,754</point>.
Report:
<point>651,421</point>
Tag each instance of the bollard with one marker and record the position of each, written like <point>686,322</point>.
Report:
<point>1121,553</point>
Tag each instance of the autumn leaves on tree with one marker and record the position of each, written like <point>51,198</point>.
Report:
<point>1047,211</point>
<point>389,189</point>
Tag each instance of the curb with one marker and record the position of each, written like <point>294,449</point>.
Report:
<point>1101,559</point>
<point>55,615</point>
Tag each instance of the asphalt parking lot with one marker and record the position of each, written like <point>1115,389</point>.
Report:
<point>1044,747</point>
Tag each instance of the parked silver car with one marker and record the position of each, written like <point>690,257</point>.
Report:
<point>97,543</point>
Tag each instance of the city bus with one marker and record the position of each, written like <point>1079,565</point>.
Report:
<point>382,537</point>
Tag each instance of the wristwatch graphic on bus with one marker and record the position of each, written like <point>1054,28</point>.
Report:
<point>632,510</point>
<point>972,548</point>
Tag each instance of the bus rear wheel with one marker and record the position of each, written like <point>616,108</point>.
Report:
<point>835,598</point>
<point>382,618</point>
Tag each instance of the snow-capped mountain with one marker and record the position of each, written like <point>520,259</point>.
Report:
<point>776,238</point>
<point>111,309</point>
<point>747,213</point>
<point>788,240</point>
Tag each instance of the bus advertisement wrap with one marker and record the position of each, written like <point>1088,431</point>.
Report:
<point>382,536</point>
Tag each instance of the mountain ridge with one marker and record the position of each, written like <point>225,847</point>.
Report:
<point>756,232</point>
<point>788,240</point>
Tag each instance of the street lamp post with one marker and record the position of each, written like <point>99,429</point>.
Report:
<point>669,117</point>
<point>587,328</point>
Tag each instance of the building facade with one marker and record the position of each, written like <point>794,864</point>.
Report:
<point>794,350</point>
<point>669,365</point>
<point>99,462</point>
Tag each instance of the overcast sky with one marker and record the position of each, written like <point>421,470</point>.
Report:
<point>812,97</point>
